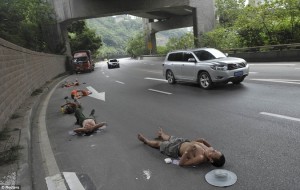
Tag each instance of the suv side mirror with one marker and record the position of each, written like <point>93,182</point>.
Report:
<point>192,60</point>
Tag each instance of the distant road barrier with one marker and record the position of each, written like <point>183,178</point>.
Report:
<point>271,53</point>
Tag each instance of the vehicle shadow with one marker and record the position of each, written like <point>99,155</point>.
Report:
<point>216,87</point>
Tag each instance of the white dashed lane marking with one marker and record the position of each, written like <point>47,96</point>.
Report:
<point>163,80</point>
<point>280,116</point>
<point>120,82</point>
<point>162,92</point>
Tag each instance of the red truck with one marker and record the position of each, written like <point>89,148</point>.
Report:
<point>82,61</point>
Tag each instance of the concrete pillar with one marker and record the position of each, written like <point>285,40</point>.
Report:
<point>203,18</point>
<point>150,38</point>
<point>65,37</point>
<point>197,34</point>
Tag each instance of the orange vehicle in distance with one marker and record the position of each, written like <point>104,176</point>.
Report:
<point>82,61</point>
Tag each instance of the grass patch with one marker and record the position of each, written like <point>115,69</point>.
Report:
<point>15,116</point>
<point>37,92</point>
<point>10,155</point>
<point>4,135</point>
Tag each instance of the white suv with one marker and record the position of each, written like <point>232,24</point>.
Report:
<point>205,66</point>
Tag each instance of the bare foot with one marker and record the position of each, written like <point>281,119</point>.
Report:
<point>142,138</point>
<point>162,135</point>
<point>103,124</point>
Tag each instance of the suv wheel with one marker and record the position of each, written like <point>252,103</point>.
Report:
<point>205,80</point>
<point>170,77</point>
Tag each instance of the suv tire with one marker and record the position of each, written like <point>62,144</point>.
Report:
<point>205,80</point>
<point>170,77</point>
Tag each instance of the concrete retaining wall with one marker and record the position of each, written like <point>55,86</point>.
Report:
<point>23,71</point>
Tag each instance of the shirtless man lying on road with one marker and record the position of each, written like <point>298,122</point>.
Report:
<point>88,124</point>
<point>190,152</point>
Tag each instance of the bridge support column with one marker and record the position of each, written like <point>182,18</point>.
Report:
<point>150,37</point>
<point>203,18</point>
<point>65,36</point>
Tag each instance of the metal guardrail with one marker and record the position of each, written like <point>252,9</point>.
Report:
<point>280,47</point>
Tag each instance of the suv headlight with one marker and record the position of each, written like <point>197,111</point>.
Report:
<point>219,67</point>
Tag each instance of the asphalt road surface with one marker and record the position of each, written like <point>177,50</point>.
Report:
<point>255,124</point>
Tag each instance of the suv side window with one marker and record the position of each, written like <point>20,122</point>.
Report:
<point>204,55</point>
<point>175,57</point>
<point>187,56</point>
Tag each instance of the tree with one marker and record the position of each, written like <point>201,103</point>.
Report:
<point>136,46</point>
<point>273,22</point>
<point>22,22</point>
<point>83,38</point>
<point>228,11</point>
<point>184,42</point>
<point>221,38</point>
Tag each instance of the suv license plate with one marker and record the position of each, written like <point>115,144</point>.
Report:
<point>238,73</point>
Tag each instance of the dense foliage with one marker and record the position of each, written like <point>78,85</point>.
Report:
<point>270,23</point>
<point>22,22</point>
<point>115,32</point>
<point>83,38</point>
<point>136,45</point>
<point>121,33</point>
<point>26,23</point>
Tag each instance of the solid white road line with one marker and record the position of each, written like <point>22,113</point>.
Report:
<point>73,181</point>
<point>54,180</point>
<point>279,81</point>
<point>271,64</point>
<point>297,68</point>
<point>120,82</point>
<point>163,80</point>
<point>168,93</point>
<point>280,116</point>
<point>253,72</point>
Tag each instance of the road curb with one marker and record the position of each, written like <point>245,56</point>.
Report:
<point>23,174</point>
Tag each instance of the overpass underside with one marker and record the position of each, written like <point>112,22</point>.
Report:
<point>158,15</point>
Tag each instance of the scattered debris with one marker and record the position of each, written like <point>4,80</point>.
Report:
<point>147,174</point>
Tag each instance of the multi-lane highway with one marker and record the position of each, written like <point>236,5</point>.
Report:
<point>255,124</point>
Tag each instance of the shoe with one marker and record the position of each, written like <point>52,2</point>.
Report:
<point>92,112</point>
<point>66,97</point>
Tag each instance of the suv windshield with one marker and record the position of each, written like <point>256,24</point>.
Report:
<point>113,60</point>
<point>208,54</point>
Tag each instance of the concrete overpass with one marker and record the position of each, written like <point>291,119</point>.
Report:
<point>158,15</point>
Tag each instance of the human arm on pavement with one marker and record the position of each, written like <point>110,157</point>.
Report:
<point>201,140</point>
<point>189,157</point>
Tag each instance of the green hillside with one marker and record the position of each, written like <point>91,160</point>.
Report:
<point>116,31</point>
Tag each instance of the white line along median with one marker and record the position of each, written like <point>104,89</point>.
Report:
<point>280,116</point>
<point>163,80</point>
<point>153,90</point>
<point>286,81</point>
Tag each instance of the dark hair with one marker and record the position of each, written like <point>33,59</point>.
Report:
<point>72,96</point>
<point>69,110</point>
<point>219,162</point>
